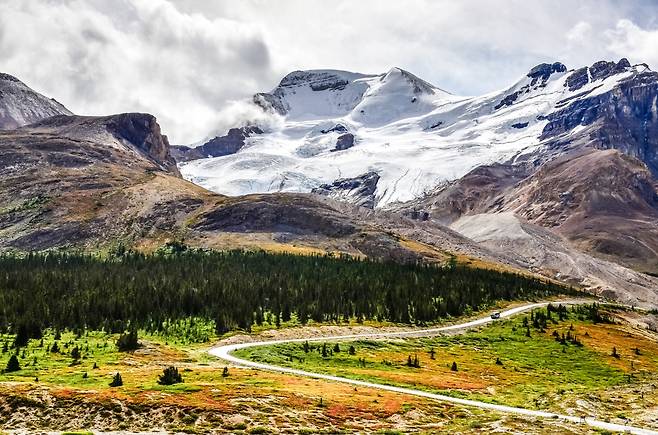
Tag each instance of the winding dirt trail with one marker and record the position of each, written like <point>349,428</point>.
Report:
<point>225,353</point>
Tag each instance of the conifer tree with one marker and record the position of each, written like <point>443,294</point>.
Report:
<point>117,381</point>
<point>13,365</point>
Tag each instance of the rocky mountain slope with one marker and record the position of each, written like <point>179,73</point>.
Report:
<point>20,105</point>
<point>96,182</point>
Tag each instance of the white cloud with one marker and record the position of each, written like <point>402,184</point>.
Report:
<point>101,57</point>
<point>629,40</point>
<point>580,33</point>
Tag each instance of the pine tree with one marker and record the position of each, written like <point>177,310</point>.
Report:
<point>432,354</point>
<point>352,350</point>
<point>336,348</point>
<point>54,348</point>
<point>454,366</point>
<point>12,364</point>
<point>75,353</point>
<point>324,350</point>
<point>128,342</point>
<point>170,376</point>
<point>225,372</point>
<point>117,381</point>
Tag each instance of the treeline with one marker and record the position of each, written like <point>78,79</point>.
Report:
<point>237,290</point>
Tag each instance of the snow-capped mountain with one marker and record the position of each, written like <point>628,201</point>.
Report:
<point>415,136</point>
<point>20,105</point>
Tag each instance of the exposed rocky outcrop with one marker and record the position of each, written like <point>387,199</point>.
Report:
<point>344,141</point>
<point>20,105</point>
<point>543,71</point>
<point>317,80</point>
<point>598,71</point>
<point>358,190</point>
<point>138,132</point>
<point>539,75</point>
<point>623,118</point>
<point>338,128</point>
<point>230,143</point>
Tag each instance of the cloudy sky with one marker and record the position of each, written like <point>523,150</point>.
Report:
<point>190,62</point>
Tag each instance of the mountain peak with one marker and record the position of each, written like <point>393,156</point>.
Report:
<point>20,105</point>
<point>544,70</point>
<point>420,86</point>
<point>320,79</point>
<point>8,78</point>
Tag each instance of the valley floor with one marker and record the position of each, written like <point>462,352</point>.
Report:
<point>497,363</point>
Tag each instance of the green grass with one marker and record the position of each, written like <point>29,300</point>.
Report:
<point>535,370</point>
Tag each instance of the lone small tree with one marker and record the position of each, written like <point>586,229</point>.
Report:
<point>12,364</point>
<point>75,353</point>
<point>116,381</point>
<point>225,372</point>
<point>454,366</point>
<point>324,350</point>
<point>614,352</point>
<point>336,348</point>
<point>128,342</point>
<point>432,354</point>
<point>352,350</point>
<point>170,376</point>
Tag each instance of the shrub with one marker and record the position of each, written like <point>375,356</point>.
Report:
<point>116,381</point>
<point>128,342</point>
<point>170,376</point>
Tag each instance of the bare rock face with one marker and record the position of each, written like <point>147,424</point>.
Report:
<point>230,143</point>
<point>139,132</point>
<point>539,75</point>
<point>544,70</point>
<point>345,141</point>
<point>358,190</point>
<point>20,105</point>
<point>624,118</point>
<point>143,131</point>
